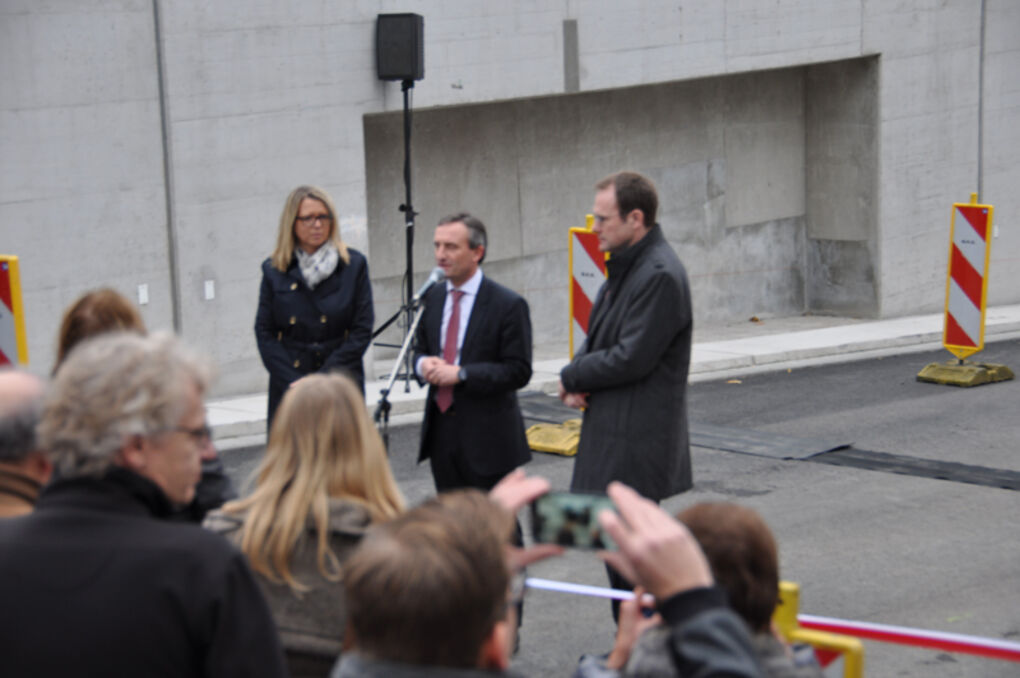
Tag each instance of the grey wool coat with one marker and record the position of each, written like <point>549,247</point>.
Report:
<point>634,367</point>
<point>311,626</point>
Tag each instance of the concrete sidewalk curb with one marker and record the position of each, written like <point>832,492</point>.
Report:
<point>241,420</point>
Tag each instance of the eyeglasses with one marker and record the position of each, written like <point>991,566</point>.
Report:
<point>312,218</point>
<point>201,435</point>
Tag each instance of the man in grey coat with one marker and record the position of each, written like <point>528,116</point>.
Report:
<point>631,372</point>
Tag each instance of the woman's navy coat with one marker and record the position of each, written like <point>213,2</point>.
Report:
<point>301,331</point>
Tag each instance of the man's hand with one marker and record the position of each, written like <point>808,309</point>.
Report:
<point>515,491</point>
<point>578,401</point>
<point>437,371</point>
<point>656,551</point>
<point>630,627</point>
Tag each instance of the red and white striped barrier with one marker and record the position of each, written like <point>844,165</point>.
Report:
<point>587,273</point>
<point>901,635</point>
<point>967,284</point>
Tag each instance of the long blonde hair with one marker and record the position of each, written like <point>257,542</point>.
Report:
<point>285,239</point>
<point>322,445</point>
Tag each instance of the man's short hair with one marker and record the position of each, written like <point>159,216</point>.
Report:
<point>428,587</point>
<point>19,419</point>
<point>742,553</point>
<point>633,192</point>
<point>477,237</point>
<point>111,387</point>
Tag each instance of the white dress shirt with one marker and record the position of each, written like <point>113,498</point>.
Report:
<point>467,303</point>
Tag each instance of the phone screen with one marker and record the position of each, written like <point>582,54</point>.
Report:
<point>571,519</point>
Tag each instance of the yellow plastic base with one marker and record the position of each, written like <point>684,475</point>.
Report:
<point>955,373</point>
<point>559,439</point>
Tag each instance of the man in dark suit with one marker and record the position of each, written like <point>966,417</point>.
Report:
<point>473,347</point>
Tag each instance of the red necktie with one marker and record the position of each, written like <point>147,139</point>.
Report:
<point>444,394</point>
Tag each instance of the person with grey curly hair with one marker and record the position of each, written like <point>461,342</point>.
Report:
<point>137,593</point>
<point>24,468</point>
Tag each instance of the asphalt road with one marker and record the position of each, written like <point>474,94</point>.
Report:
<point>921,536</point>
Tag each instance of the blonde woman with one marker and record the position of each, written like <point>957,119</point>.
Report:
<point>315,303</point>
<point>323,481</point>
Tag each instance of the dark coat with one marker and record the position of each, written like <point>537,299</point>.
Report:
<point>96,582</point>
<point>311,626</point>
<point>634,366</point>
<point>496,356</point>
<point>300,330</point>
<point>699,636</point>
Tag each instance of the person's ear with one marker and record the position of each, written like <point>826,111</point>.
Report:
<point>39,466</point>
<point>478,253</point>
<point>132,455</point>
<point>495,652</point>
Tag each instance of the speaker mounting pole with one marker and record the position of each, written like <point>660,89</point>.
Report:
<point>400,55</point>
<point>408,209</point>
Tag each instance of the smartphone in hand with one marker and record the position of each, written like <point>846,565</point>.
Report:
<point>571,519</point>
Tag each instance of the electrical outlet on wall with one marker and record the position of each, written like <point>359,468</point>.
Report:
<point>143,294</point>
<point>210,290</point>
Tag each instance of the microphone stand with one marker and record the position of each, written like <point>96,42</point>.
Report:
<point>382,410</point>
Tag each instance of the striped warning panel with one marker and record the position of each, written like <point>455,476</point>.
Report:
<point>587,273</point>
<point>968,279</point>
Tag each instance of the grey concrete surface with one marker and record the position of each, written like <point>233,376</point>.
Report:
<point>863,545</point>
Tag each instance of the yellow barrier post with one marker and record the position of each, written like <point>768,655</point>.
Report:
<point>827,645</point>
<point>13,342</point>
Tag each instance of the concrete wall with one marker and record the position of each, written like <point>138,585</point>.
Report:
<point>881,99</point>
<point>727,155</point>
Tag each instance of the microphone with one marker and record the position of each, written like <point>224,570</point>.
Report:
<point>437,275</point>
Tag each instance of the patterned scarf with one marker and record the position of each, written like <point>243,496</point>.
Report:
<point>318,265</point>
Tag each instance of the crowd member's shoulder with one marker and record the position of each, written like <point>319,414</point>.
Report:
<point>188,541</point>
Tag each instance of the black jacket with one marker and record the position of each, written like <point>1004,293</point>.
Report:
<point>96,582</point>
<point>496,356</point>
<point>300,330</point>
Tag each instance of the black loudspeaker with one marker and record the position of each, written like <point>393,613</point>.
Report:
<point>400,46</point>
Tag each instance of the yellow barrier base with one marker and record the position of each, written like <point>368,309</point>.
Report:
<point>956,373</point>
<point>559,439</point>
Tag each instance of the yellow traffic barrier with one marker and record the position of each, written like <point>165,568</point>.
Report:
<point>13,342</point>
<point>587,273</point>
<point>559,439</point>
<point>830,648</point>
<point>963,334</point>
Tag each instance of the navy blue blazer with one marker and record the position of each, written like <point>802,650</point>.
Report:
<point>496,356</point>
<point>300,330</point>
